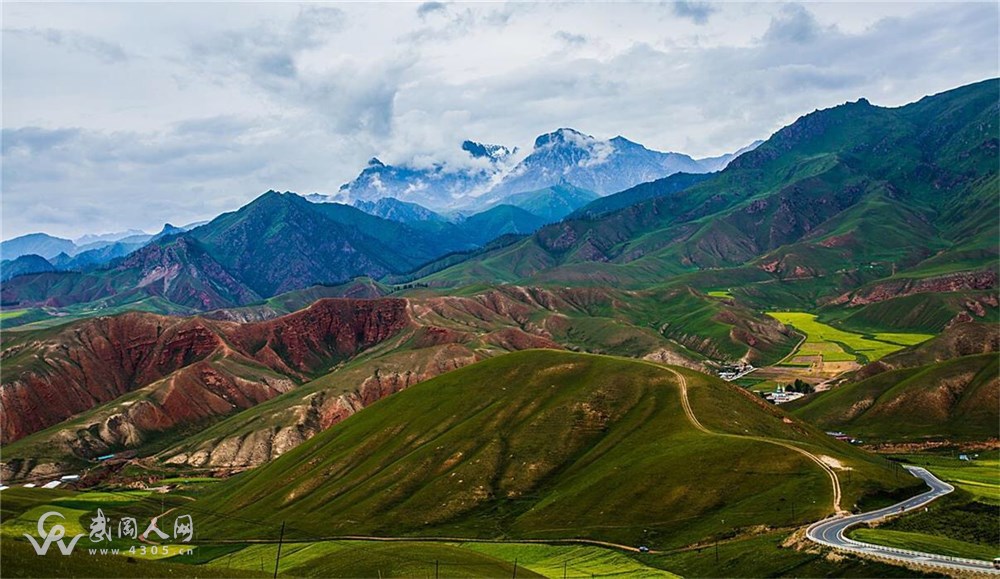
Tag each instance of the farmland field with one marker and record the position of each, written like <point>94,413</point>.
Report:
<point>924,542</point>
<point>11,314</point>
<point>723,294</point>
<point>835,345</point>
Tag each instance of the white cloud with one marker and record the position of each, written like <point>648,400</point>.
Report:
<point>134,114</point>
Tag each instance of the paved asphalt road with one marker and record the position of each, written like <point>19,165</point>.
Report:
<point>830,532</point>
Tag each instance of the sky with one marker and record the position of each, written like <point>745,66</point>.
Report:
<point>130,115</point>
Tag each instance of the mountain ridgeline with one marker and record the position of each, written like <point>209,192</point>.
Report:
<point>878,202</point>
<point>854,194</point>
<point>277,243</point>
<point>563,157</point>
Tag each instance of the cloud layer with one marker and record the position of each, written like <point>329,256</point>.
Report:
<point>130,115</point>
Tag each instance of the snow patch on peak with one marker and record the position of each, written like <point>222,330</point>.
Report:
<point>493,153</point>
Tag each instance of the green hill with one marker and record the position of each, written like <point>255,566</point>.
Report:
<point>547,444</point>
<point>957,399</point>
<point>855,196</point>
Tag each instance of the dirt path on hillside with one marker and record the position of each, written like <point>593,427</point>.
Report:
<point>689,412</point>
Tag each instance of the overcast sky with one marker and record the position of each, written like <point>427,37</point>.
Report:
<point>121,116</point>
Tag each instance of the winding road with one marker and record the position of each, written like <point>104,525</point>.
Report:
<point>830,532</point>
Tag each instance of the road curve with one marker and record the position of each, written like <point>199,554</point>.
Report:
<point>830,532</point>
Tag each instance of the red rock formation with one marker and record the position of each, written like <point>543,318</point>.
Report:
<point>95,361</point>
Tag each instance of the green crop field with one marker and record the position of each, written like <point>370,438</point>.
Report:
<point>902,339</point>
<point>724,294</point>
<point>939,544</point>
<point>574,561</point>
<point>22,507</point>
<point>369,559</point>
<point>443,559</point>
<point>835,345</point>
<point>764,556</point>
<point>11,314</point>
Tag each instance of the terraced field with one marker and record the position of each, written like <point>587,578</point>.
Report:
<point>11,314</point>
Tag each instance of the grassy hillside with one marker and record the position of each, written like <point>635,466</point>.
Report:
<point>546,444</point>
<point>927,312</point>
<point>854,196</point>
<point>956,399</point>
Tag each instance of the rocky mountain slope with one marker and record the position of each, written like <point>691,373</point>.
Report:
<point>436,186</point>
<point>567,156</point>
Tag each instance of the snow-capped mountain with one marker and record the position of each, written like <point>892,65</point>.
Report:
<point>564,157</point>
<point>567,156</point>
<point>438,187</point>
<point>495,153</point>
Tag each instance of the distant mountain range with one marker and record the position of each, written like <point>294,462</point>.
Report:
<point>854,194</point>
<point>851,194</point>
<point>547,205</point>
<point>277,243</point>
<point>91,249</point>
<point>563,157</point>
<point>565,170</point>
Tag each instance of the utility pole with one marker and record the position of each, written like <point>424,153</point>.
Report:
<point>515,569</point>
<point>435,569</point>
<point>277,559</point>
<point>564,569</point>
